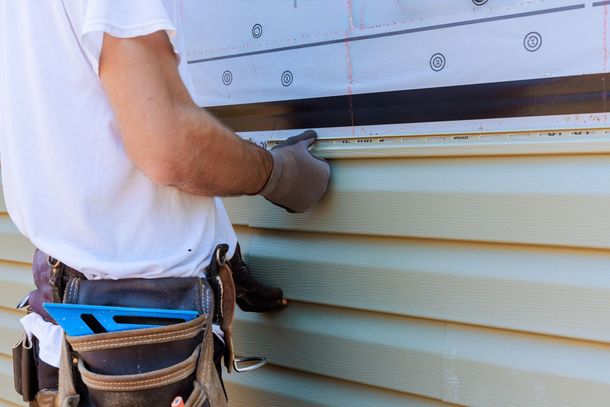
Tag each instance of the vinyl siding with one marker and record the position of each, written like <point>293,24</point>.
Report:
<point>420,280</point>
<point>15,280</point>
<point>481,278</point>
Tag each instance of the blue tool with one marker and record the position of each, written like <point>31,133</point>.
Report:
<point>82,319</point>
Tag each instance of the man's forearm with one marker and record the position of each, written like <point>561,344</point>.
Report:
<point>176,143</point>
<point>165,133</point>
<point>212,160</point>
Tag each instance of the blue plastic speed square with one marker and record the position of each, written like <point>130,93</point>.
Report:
<point>81,319</point>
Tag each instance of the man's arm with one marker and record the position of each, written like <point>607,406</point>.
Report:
<point>166,135</point>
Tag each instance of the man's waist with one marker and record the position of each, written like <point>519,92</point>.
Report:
<point>57,282</point>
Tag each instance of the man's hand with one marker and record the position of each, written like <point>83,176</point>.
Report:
<point>252,295</point>
<point>298,179</point>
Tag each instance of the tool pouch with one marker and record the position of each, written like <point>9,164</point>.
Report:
<point>24,369</point>
<point>143,367</point>
<point>146,367</point>
<point>35,380</point>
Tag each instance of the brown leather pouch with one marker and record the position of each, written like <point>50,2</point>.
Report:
<point>140,367</point>
<point>190,293</point>
<point>24,369</point>
<point>45,398</point>
<point>148,366</point>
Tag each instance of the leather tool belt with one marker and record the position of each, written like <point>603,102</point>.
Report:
<point>142,367</point>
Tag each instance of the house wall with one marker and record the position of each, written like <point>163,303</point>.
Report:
<point>419,280</point>
<point>434,279</point>
<point>461,254</point>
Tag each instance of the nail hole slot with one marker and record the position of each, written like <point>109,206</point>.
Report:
<point>137,320</point>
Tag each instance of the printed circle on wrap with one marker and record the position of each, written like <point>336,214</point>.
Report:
<point>257,30</point>
<point>287,78</point>
<point>532,41</point>
<point>437,62</point>
<point>227,77</point>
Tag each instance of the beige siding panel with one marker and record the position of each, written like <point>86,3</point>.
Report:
<point>239,210</point>
<point>13,245</point>
<point>278,387</point>
<point>395,353</point>
<point>479,366</point>
<point>484,251</point>
<point>10,328</point>
<point>550,200</point>
<point>484,367</point>
<point>8,396</point>
<point>2,204</point>
<point>536,289</point>
<point>16,280</point>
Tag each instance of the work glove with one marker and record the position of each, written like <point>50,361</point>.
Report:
<point>298,179</point>
<point>252,295</point>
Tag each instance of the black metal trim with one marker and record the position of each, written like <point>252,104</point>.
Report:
<point>536,97</point>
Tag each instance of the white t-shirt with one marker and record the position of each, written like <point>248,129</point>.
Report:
<point>68,184</point>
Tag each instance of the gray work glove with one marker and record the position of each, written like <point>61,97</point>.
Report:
<point>298,179</point>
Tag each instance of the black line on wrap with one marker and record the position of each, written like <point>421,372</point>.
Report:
<point>535,97</point>
<point>393,33</point>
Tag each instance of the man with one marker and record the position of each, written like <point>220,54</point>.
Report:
<point>108,166</point>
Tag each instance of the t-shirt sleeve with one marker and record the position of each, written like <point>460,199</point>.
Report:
<point>122,19</point>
